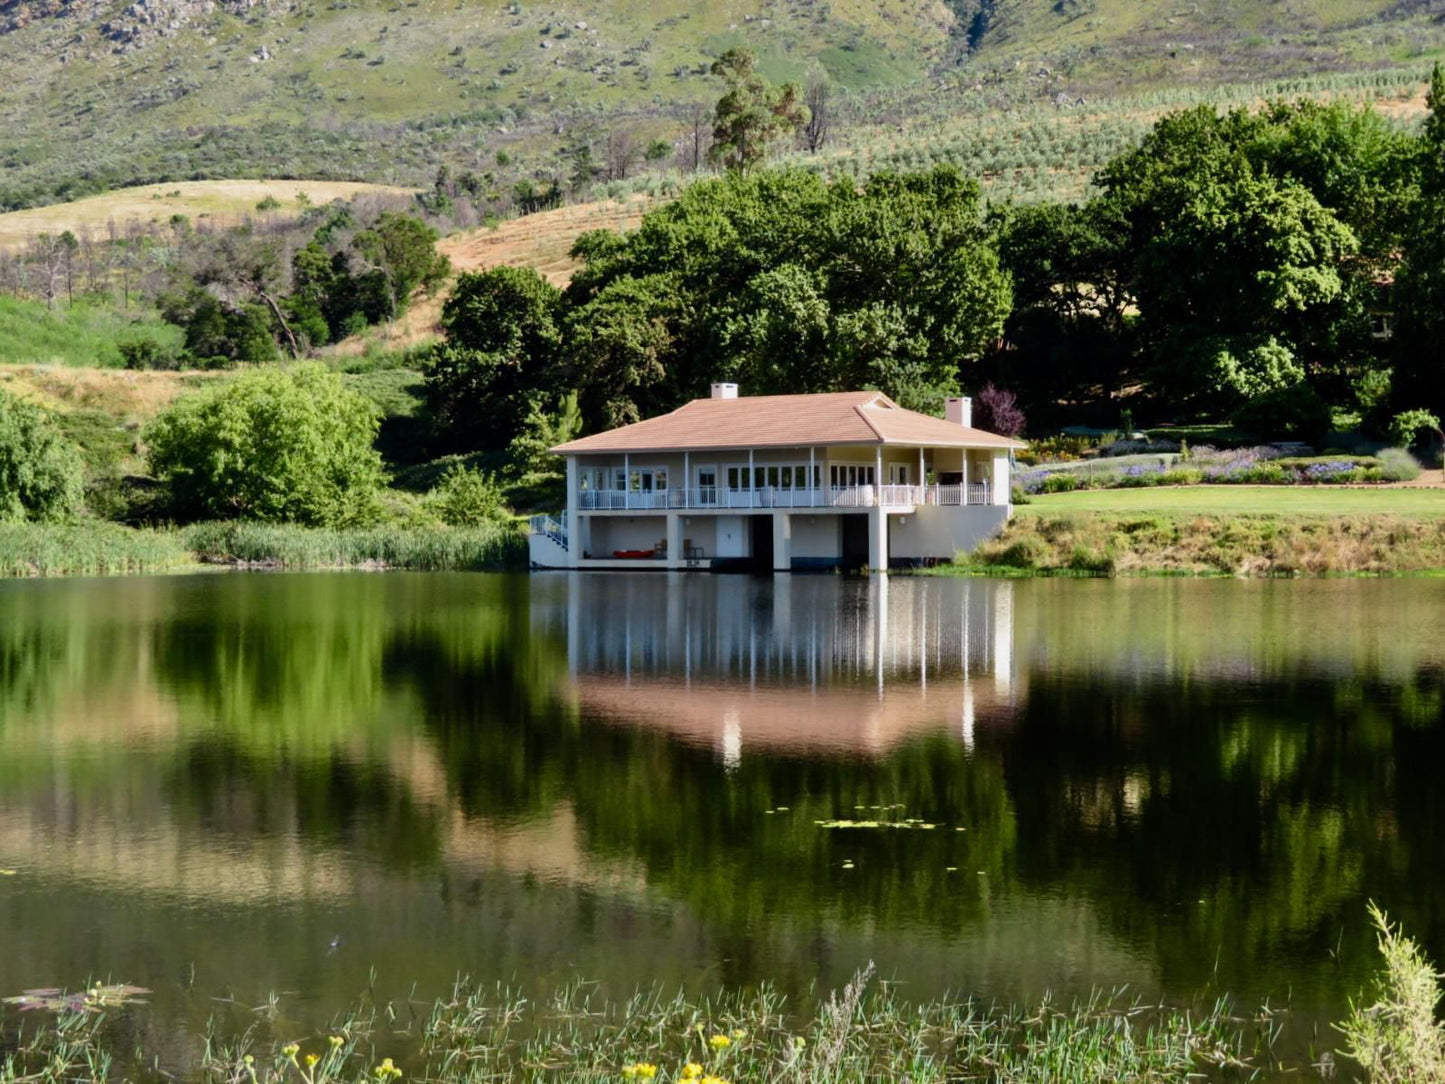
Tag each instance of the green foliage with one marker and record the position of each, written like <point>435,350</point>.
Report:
<point>1397,1040</point>
<point>786,284</point>
<point>87,549</point>
<point>88,333</point>
<point>40,471</point>
<point>469,498</point>
<point>401,249</point>
<point>1407,426</point>
<point>503,332</point>
<point>290,546</point>
<point>752,114</point>
<point>279,446</point>
<point>217,330</point>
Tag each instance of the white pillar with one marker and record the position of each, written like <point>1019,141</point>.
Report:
<point>752,482</point>
<point>572,517</point>
<point>877,539</point>
<point>782,542</point>
<point>1002,486</point>
<point>674,541</point>
<point>878,475</point>
<point>686,480</point>
<point>812,495</point>
<point>626,481</point>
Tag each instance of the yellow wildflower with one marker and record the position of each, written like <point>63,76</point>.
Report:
<point>719,1042</point>
<point>335,1041</point>
<point>311,1060</point>
<point>691,1071</point>
<point>713,1080</point>
<point>739,1034</point>
<point>289,1051</point>
<point>641,1070</point>
<point>387,1071</point>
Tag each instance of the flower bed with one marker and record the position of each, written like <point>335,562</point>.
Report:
<point>1238,466</point>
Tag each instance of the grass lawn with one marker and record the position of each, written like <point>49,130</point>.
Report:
<point>1175,501</point>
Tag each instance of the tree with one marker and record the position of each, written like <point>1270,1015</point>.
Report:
<point>818,126</point>
<point>40,471</point>
<point>699,119</point>
<point>996,411</point>
<point>503,329</point>
<point>400,249</point>
<point>786,283</point>
<point>290,445</point>
<point>622,151</point>
<point>1419,286</point>
<point>752,114</point>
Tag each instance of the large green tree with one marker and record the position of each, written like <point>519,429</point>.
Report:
<point>502,333</point>
<point>786,283</point>
<point>40,471</point>
<point>1419,287</point>
<point>280,445</point>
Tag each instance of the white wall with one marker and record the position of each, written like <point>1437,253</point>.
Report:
<point>733,537</point>
<point>611,533</point>
<point>816,536</point>
<point>931,531</point>
<point>700,531</point>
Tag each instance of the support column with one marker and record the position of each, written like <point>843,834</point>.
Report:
<point>675,556</point>
<point>782,542</point>
<point>878,475</point>
<point>878,540</point>
<point>572,517</point>
<point>1002,485</point>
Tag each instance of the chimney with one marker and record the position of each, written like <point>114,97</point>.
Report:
<point>959,410</point>
<point>724,391</point>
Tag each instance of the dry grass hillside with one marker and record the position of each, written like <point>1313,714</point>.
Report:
<point>220,202</point>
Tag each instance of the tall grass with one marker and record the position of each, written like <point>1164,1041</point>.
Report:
<point>87,549</point>
<point>85,334</point>
<point>500,1037</point>
<point>421,548</point>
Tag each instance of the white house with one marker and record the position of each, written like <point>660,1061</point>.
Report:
<point>843,479</point>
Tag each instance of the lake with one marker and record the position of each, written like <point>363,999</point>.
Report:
<point>224,786</point>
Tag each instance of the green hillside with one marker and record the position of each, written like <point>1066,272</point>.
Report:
<point>99,93</point>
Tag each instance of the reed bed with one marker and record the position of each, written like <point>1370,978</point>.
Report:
<point>421,548</point>
<point>861,1033</point>
<point>107,549</point>
<point>88,549</point>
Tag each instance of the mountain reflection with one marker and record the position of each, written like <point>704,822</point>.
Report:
<point>1177,785</point>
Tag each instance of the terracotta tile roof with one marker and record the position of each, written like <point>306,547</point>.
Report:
<point>787,421</point>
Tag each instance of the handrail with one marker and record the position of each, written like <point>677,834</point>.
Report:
<point>721,497</point>
<point>548,527</point>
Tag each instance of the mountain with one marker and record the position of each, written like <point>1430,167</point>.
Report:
<point>105,92</point>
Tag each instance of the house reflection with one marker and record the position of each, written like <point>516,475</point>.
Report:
<point>809,663</point>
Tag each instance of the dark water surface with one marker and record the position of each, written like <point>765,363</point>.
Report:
<point>227,785</point>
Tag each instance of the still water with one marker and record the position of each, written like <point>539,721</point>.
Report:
<point>223,786</point>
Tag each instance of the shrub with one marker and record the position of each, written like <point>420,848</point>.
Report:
<point>1398,465</point>
<point>1296,412</point>
<point>1396,1040</point>
<point>1406,427</point>
<point>1064,448</point>
<point>40,471</point>
<point>996,410</point>
<point>469,498</point>
<point>275,445</point>
<point>1063,482</point>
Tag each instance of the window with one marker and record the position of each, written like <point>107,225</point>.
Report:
<point>850,474</point>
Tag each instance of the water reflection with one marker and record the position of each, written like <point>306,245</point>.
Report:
<point>788,664</point>
<point>1181,786</point>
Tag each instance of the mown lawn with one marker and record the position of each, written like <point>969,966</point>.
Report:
<point>1174,501</point>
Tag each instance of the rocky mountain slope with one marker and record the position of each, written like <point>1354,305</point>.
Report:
<point>103,92</point>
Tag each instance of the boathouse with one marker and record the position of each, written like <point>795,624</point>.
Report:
<point>781,482</point>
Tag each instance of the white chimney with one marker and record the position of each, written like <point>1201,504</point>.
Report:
<point>724,391</point>
<point>959,410</point>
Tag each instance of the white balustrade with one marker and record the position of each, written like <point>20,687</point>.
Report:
<point>721,497</point>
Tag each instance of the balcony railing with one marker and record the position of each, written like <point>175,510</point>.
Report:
<point>714,497</point>
<point>549,527</point>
